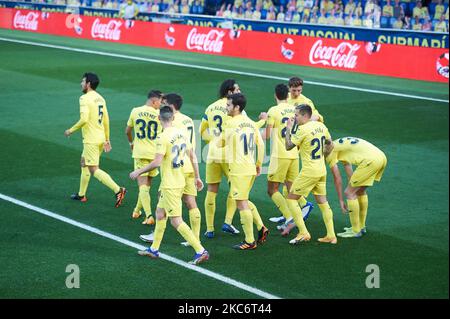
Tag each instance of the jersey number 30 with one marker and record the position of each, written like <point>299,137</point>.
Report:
<point>152,129</point>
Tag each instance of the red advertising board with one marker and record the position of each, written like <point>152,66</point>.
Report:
<point>409,62</point>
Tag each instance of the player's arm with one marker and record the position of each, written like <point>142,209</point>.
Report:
<point>194,161</point>
<point>348,170</point>
<point>154,164</point>
<point>338,185</point>
<point>84,116</point>
<point>268,132</point>
<point>204,130</point>
<point>128,133</point>
<point>288,142</point>
<point>107,146</point>
<point>261,150</point>
<point>262,120</point>
<point>315,114</point>
<point>329,146</point>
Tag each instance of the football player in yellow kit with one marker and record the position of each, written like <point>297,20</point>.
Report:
<point>310,138</point>
<point>239,139</point>
<point>94,124</point>
<point>211,127</point>
<point>296,98</point>
<point>371,163</point>
<point>186,124</point>
<point>172,146</point>
<point>284,165</point>
<point>145,122</point>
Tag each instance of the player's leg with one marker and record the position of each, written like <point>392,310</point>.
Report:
<point>278,169</point>
<point>300,188</point>
<point>144,183</point>
<point>354,211</point>
<point>194,215</point>
<point>327,215</point>
<point>263,231</point>
<point>161,222</point>
<point>213,178</point>
<point>247,226</point>
<point>362,177</point>
<point>84,182</point>
<point>227,226</point>
<point>363,201</point>
<point>320,193</point>
<point>92,160</point>
<point>173,200</point>
<point>279,200</point>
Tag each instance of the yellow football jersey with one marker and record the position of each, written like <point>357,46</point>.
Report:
<point>353,150</point>
<point>301,99</point>
<point>94,119</point>
<point>144,120</point>
<point>186,124</point>
<point>277,117</point>
<point>172,144</point>
<point>310,138</point>
<point>216,115</point>
<point>240,138</point>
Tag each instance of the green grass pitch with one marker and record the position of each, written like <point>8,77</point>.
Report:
<point>39,89</point>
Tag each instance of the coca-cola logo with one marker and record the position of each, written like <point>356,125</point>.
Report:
<point>209,42</point>
<point>107,31</point>
<point>27,21</point>
<point>342,56</point>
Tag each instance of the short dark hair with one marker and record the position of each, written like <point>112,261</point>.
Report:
<point>154,93</point>
<point>295,81</point>
<point>281,91</point>
<point>227,85</point>
<point>174,99</point>
<point>92,79</point>
<point>304,109</point>
<point>238,99</point>
<point>165,113</point>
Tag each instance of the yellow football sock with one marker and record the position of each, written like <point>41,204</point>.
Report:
<point>281,203</point>
<point>144,197</point>
<point>255,215</point>
<point>353,211</point>
<point>189,236</point>
<point>302,202</point>
<point>138,206</point>
<point>210,210</point>
<point>297,215</point>
<point>195,221</point>
<point>106,180</point>
<point>247,225</point>
<point>285,191</point>
<point>327,215</point>
<point>231,210</point>
<point>363,201</point>
<point>158,235</point>
<point>84,180</point>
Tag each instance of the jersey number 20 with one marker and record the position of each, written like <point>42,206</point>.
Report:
<point>319,146</point>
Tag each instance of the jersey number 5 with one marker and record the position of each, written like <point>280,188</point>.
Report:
<point>100,114</point>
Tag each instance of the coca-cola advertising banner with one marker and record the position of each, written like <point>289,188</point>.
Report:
<point>365,57</point>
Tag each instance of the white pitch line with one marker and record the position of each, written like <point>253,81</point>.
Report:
<point>208,273</point>
<point>193,66</point>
